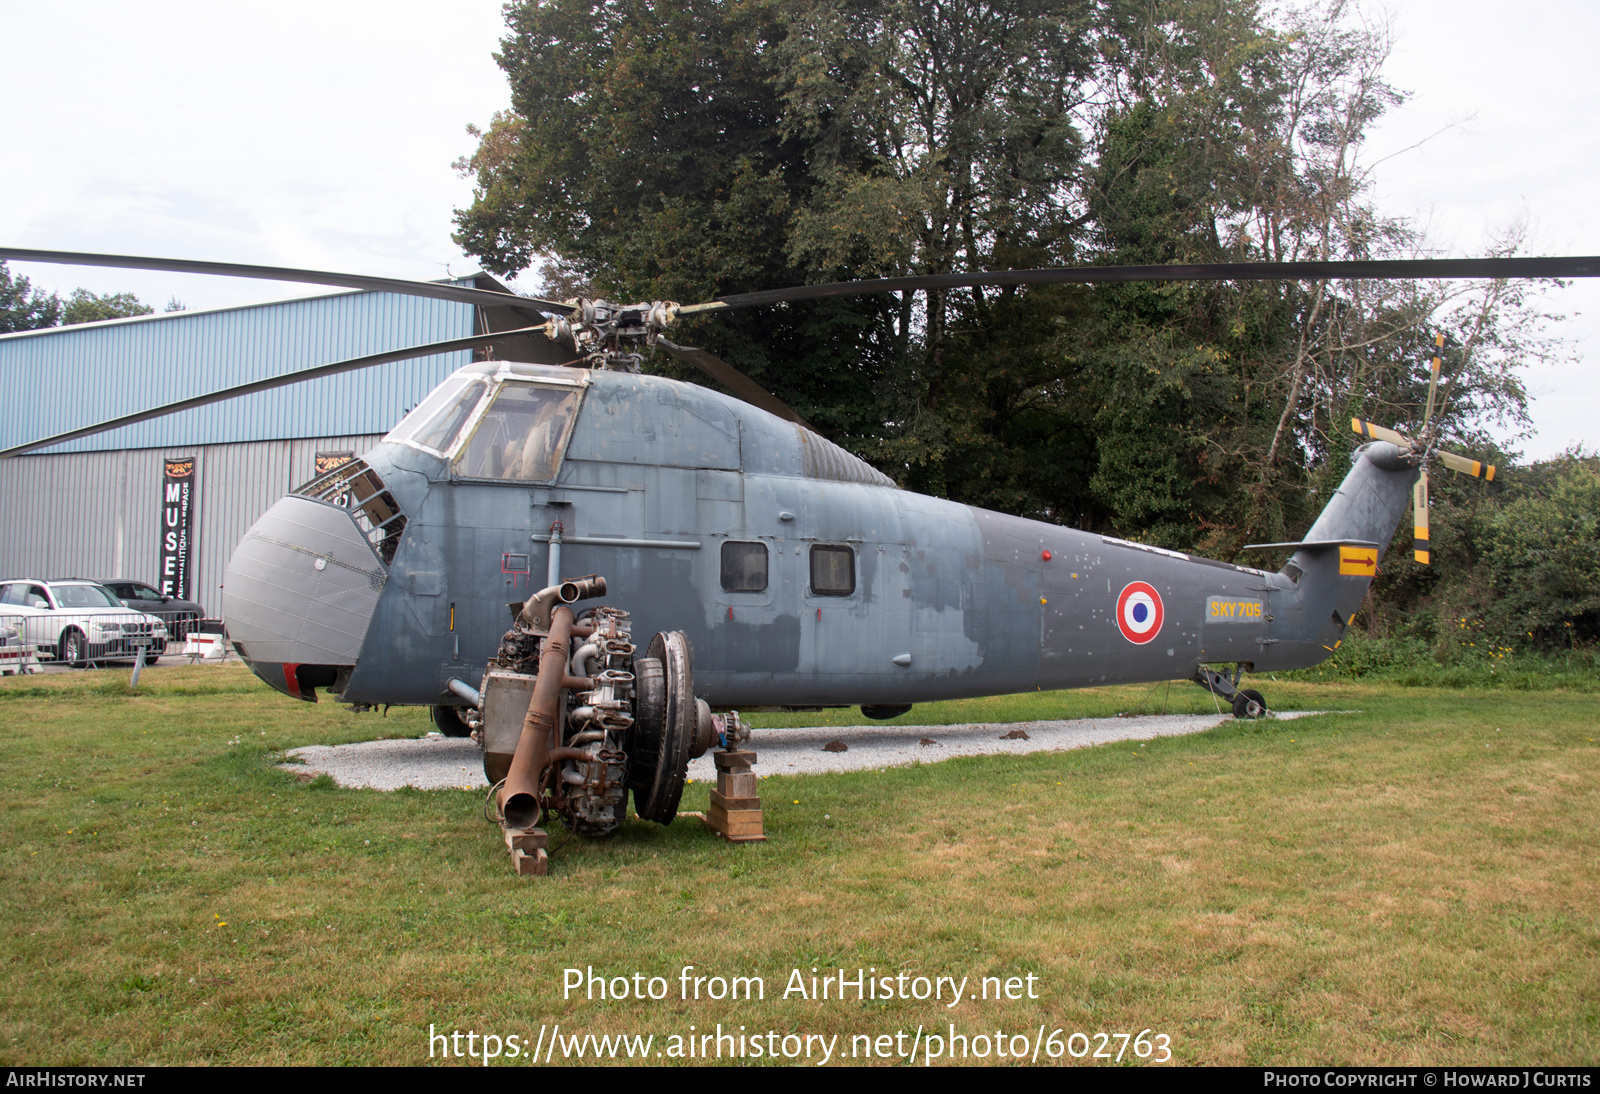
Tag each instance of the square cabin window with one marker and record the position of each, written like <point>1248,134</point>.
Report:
<point>744,567</point>
<point>833,571</point>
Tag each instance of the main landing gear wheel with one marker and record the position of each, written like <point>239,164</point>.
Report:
<point>1249,704</point>
<point>448,721</point>
<point>882,712</point>
<point>666,722</point>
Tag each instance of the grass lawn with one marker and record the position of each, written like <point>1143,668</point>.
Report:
<point>1415,883</point>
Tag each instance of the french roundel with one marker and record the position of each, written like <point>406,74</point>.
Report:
<point>1139,613</point>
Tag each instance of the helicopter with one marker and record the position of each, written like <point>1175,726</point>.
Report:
<point>770,567</point>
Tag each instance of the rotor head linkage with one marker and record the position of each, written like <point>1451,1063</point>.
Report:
<point>610,336</point>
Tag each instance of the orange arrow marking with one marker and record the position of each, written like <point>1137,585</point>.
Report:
<point>1358,561</point>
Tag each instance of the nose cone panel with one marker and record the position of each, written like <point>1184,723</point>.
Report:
<point>302,585</point>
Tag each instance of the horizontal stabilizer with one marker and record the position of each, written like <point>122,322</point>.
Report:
<point>1312,544</point>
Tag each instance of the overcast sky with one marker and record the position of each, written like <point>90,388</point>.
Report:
<point>321,135</point>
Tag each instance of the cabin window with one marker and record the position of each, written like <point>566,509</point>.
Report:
<point>744,567</point>
<point>833,571</point>
<point>436,422</point>
<point>521,435</point>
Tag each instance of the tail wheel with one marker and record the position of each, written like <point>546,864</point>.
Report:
<point>666,721</point>
<point>1249,704</point>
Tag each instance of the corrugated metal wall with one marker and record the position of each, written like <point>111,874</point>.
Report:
<point>64,378</point>
<point>98,514</point>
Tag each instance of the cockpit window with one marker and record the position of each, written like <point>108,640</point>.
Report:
<point>436,422</point>
<point>521,435</point>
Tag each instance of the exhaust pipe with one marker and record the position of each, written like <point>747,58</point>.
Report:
<point>520,798</point>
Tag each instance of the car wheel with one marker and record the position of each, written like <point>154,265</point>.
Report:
<point>74,650</point>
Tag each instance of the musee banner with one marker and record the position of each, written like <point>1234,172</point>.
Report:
<point>177,525</point>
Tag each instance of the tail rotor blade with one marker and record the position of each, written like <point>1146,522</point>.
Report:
<point>1419,497</point>
<point>1375,432</point>
<point>1477,470</point>
<point>1433,382</point>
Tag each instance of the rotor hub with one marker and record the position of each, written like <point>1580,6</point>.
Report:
<point>612,337</point>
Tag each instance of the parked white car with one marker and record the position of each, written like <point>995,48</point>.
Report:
<point>79,622</point>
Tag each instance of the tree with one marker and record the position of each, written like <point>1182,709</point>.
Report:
<point>684,151</point>
<point>23,307</point>
<point>940,137</point>
<point>643,159</point>
<point>84,306</point>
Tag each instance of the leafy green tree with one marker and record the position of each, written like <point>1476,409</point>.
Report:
<point>23,307</point>
<point>643,158</point>
<point>941,137</point>
<point>84,306</point>
<point>682,152</point>
<point>1516,563</point>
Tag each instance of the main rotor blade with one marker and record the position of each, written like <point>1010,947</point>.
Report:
<point>1383,269</point>
<point>734,380</point>
<point>316,372</point>
<point>486,297</point>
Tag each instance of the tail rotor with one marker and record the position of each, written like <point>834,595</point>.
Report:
<point>1423,450</point>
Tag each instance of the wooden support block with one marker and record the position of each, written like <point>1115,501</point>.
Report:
<point>735,812</point>
<point>529,849</point>
<point>740,784</point>
<point>734,760</point>
<point>527,839</point>
<point>536,864</point>
<point>731,804</point>
<point>735,824</point>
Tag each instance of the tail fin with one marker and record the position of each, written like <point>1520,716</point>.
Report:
<point>1371,501</point>
<point>1334,565</point>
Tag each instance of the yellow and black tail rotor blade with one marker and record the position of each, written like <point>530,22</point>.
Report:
<point>1375,432</point>
<point>1419,498</point>
<point>1433,382</point>
<point>1484,471</point>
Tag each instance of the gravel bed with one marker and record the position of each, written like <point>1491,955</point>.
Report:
<point>800,751</point>
<point>436,762</point>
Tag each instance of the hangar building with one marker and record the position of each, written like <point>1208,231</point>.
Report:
<point>104,506</point>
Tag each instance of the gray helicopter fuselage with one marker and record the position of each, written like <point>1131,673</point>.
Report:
<point>801,576</point>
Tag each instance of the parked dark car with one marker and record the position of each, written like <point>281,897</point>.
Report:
<point>179,615</point>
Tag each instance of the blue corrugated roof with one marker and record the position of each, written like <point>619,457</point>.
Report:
<point>67,377</point>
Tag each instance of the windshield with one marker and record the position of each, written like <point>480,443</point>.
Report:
<point>521,435</point>
<point>85,596</point>
<point>436,421</point>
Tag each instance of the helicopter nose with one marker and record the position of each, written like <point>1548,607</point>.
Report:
<point>299,592</point>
